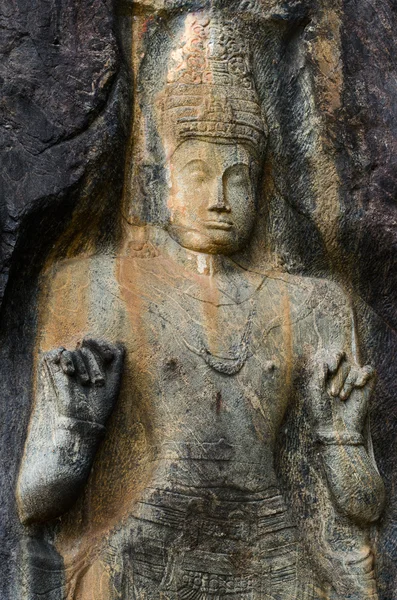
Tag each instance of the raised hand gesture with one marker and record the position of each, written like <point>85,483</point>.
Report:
<point>340,394</point>
<point>85,381</point>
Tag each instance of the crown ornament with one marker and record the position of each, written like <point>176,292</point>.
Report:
<point>210,92</point>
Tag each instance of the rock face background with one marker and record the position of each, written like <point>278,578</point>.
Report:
<point>60,130</point>
<point>64,118</point>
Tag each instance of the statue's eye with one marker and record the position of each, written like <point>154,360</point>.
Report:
<point>237,179</point>
<point>237,176</point>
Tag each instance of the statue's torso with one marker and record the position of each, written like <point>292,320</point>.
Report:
<point>212,382</point>
<point>186,474</point>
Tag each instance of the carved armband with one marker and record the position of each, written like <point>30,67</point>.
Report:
<point>335,438</point>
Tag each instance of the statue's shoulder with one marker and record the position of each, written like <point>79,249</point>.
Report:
<point>77,295</point>
<point>307,294</point>
<point>322,291</point>
<point>317,309</point>
<point>74,275</point>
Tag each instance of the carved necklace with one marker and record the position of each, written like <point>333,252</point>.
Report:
<point>237,355</point>
<point>235,361</point>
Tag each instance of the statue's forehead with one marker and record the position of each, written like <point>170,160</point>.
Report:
<point>215,154</point>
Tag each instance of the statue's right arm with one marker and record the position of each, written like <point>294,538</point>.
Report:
<point>75,394</point>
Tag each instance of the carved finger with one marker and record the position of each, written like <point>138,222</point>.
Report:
<point>53,357</point>
<point>339,379</point>
<point>349,384</point>
<point>58,379</point>
<point>364,375</point>
<point>324,375</point>
<point>50,367</point>
<point>333,363</point>
<point>66,362</point>
<point>93,369</point>
<point>81,368</point>
<point>101,347</point>
<point>117,365</point>
<point>119,353</point>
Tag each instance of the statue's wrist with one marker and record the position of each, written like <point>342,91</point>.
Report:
<point>332,437</point>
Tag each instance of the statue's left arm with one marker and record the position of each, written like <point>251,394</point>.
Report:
<point>338,389</point>
<point>339,399</point>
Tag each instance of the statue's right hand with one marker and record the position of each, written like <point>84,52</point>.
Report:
<point>85,381</point>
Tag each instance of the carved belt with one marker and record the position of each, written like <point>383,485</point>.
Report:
<point>248,518</point>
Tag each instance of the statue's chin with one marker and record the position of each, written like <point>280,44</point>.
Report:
<point>214,242</point>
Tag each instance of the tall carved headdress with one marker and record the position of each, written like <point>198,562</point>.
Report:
<point>210,92</point>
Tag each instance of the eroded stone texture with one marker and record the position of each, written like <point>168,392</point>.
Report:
<point>60,128</point>
<point>222,471</point>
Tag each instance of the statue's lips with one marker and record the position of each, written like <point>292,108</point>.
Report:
<point>224,225</point>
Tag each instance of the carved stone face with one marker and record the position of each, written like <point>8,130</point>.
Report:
<point>212,196</point>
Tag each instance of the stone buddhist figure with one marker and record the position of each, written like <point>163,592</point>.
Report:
<point>199,430</point>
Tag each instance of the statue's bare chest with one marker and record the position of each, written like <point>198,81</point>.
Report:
<point>212,366</point>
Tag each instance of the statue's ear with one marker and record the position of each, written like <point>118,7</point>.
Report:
<point>150,201</point>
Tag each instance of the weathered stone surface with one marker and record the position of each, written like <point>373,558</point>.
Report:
<point>60,120</point>
<point>60,129</point>
<point>325,76</point>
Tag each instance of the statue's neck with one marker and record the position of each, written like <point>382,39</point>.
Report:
<point>211,265</point>
<point>205,274</point>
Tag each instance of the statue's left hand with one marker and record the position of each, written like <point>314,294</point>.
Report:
<point>338,401</point>
<point>342,390</point>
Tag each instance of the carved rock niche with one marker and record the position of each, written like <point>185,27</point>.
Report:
<point>199,313</point>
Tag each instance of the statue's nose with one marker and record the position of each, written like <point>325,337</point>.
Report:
<point>218,201</point>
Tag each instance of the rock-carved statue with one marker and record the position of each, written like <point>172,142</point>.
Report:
<point>199,428</point>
